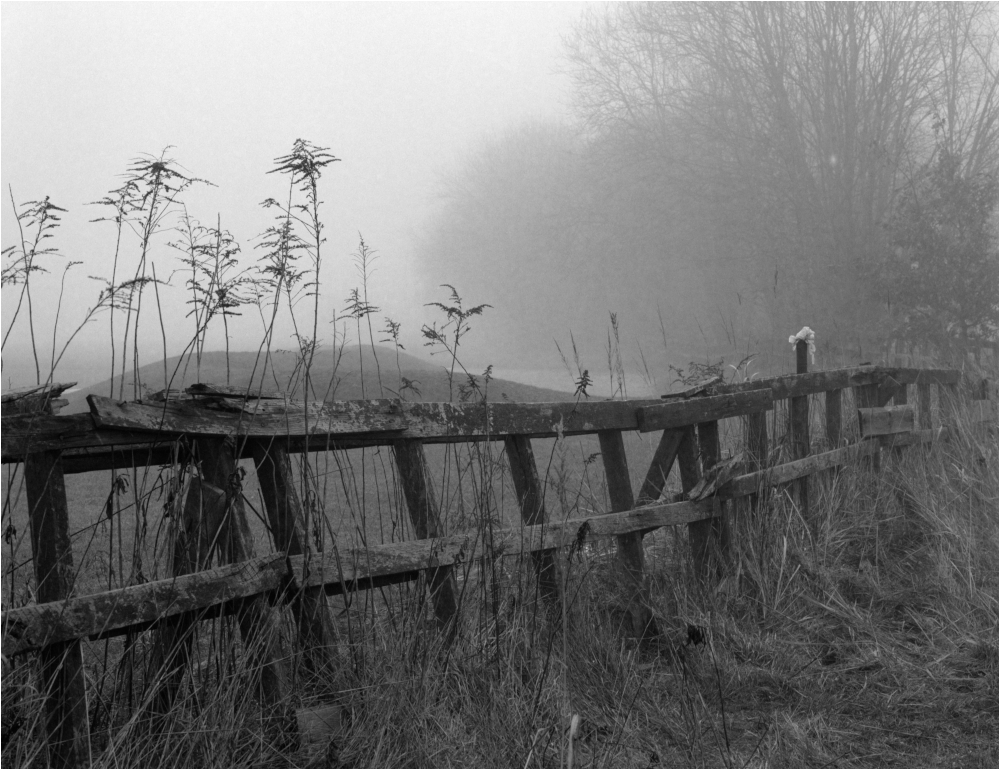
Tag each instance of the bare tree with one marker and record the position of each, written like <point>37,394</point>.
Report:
<point>799,121</point>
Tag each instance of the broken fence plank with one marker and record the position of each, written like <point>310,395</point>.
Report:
<point>34,398</point>
<point>698,388</point>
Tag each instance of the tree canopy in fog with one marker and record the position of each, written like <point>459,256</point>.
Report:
<point>750,168</point>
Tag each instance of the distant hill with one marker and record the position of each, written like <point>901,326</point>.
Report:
<point>382,378</point>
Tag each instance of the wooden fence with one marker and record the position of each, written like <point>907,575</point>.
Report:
<point>214,426</point>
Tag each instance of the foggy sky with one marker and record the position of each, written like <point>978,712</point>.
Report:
<point>399,92</point>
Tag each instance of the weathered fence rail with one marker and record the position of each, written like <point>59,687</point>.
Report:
<point>213,427</point>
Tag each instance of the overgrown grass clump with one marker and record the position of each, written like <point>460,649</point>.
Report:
<point>863,632</point>
<point>863,636</point>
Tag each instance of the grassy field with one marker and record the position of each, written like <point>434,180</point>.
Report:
<point>865,636</point>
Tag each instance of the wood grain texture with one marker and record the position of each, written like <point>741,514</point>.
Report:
<point>677,414</point>
<point>659,467</point>
<point>36,398</point>
<point>21,435</point>
<point>630,554</point>
<point>118,435</point>
<point>337,571</point>
<point>798,412</point>
<point>833,414</point>
<point>290,532</point>
<point>531,499</point>
<point>62,674</point>
<point>887,420</point>
<point>924,406</point>
<point>252,417</point>
<point>709,539</point>
<point>198,521</point>
<point>751,483</point>
<point>419,494</point>
<point>138,607</point>
<point>258,624</point>
<point>18,394</point>
<point>239,391</point>
<point>790,385</point>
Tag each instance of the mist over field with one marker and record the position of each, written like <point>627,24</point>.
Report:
<point>445,217</point>
<point>735,172</point>
<point>701,180</point>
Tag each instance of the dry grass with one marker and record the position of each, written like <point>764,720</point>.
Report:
<point>866,636</point>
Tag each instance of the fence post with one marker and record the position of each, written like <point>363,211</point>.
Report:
<point>948,404</point>
<point>284,514</point>
<point>833,402</point>
<point>924,405</point>
<point>687,463</point>
<point>800,424</point>
<point>630,553</point>
<point>62,673</point>
<point>867,397</point>
<point>257,622</point>
<point>757,449</point>
<point>419,494</point>
<point>709,535</point>
<point>197,528</point>
<point>531,499</point>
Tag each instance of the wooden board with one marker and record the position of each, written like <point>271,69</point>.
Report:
<point>151,428</point>
<point>136,607</point>
<point>915,437</point>
<point>250,418</point>
<point>531,500</point>
<point>630,553</point>
<point>659,467</point>
<point>418,491</point>
<point>781,474</point>
<point>337,570</point>
<point>63,679</point>
<point>886,420</point>
<point>32,627</point>
<point>479,421</point>
<point>22,434</point>
<point>677,414</point>
<point>209,389</point>
<point>982,411</point>
<point>34,398</point>
<point>15,394</point>
<point>791,385</point>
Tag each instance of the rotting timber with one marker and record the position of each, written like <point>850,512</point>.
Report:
<point>177,427</point>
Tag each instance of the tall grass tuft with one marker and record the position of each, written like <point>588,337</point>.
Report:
<point>861,633</point>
